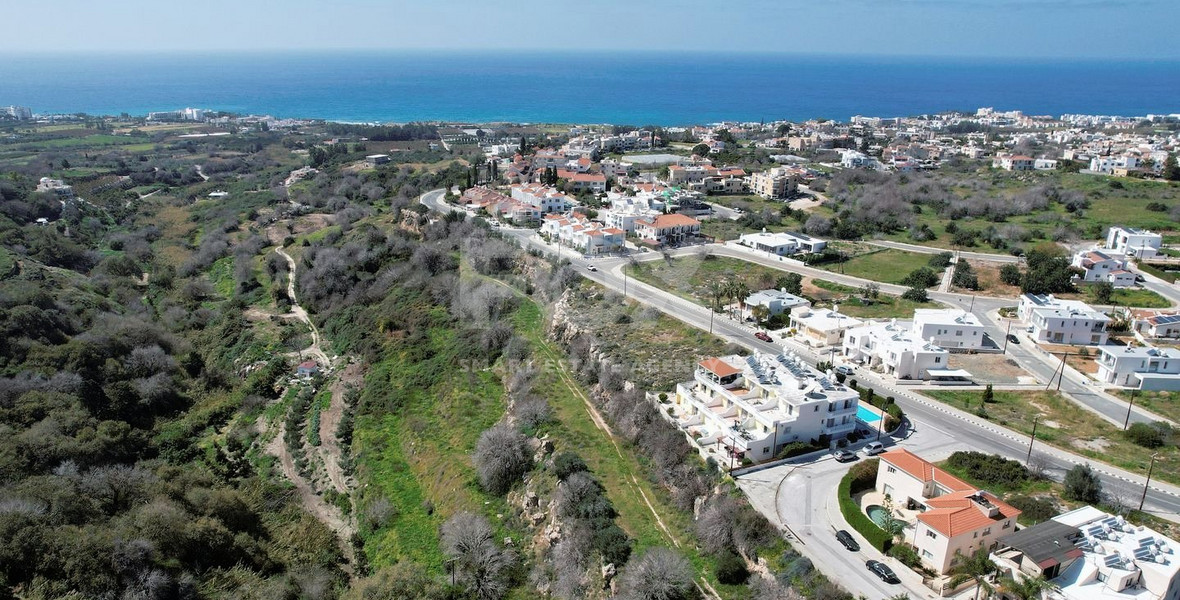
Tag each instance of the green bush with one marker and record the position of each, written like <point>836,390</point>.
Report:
<point>864,475</point>
<point>1149,435</point>
<point>860,521</point>
<point>1032,509</point>
<point>991,469</point>
<point>798,449</point>
<point>906,555</point>
<point>567,463</point>
<point>731,569</point>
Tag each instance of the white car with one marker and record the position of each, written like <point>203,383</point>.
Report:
<point>874,448</point>
<point>592,268</point>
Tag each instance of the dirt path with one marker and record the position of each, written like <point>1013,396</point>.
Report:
<point>311,501</point>
<point>297,310</point>
<point>200,172</point>
<point>329,449</point>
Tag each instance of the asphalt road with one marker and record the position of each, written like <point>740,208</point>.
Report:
<point>924,415</point>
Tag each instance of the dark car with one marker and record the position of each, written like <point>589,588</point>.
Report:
<point>762,335</point>
<point>844,456</point>
<point>846,540</point>
<point>844,370</point>
<point>883,571</point>
<point>1012,338</point>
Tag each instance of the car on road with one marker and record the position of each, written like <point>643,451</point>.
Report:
<point>1012,338</point>
<point>592,268</point>
<point>874,448</point>
<point>762,335</point>
<point>883,571</point>
<point>847,541</point>
<point>844,455</point>
<point>844,370</point>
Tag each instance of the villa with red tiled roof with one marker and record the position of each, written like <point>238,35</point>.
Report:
<point>953,519</point>
<point>667,229</point>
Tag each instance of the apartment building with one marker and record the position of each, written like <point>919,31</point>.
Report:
<point>1099,266</point>
<point>1138,243</point>
<point>775,302</point>
<point>776,184</point>
<point>624,211</point>
<point>583,182</point>
<point>545,199</point>
<point>820,327</point>
<point>1108,165</point>
<point>1009,162</point>
<point>667,229</point>
<point>1088,554</point>
<point>1140,367</point>
<point>948,517</point>
<point>1059,321</point>
<point>578,232</point>
<point>949,328</point>
<point>753,406</point>
<point>895,349</point>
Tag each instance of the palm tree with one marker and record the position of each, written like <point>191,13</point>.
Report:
<point>717,291</point>
<point>1026,588</point>
<point>978,567</point>
<point>741,291</point>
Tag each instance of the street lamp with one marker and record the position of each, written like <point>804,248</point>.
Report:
<point>1150,467</point>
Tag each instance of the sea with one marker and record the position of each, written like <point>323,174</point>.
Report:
<point>637,88</point>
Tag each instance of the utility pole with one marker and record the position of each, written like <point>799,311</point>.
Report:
<point>1006,334</point>
<point>1062,375</point>
<point>881,422</point>
<point>972,309</point>
<point>1032,438</point>
<point>624,280</point>
<point>1127,421</point>
<point>1143,498</point>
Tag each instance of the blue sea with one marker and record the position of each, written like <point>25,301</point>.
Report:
<point>631,88</point>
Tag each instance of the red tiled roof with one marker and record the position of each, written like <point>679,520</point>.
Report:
<point>956,513</point>
<point>671,220</point>
<point>719,367</point>
<point>923,470</point>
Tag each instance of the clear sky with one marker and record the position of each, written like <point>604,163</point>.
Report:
<point>1143,29</point>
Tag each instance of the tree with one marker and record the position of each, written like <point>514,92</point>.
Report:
<point>1026,588</point>
<point>660,574</point>
<point>916,294</point>
<point>1171,170</point>
<point>871,290</point>
<point>977,566</point>
<point>759,312</point>
<point>1010,274</point>
<point>701,149</point>
<point>1082,485</point>
<point>1103,292</point>
<point>964,276</point>
<point>717,292</point>
<point>922,277</point>
<point>1049,271</point>
<point>792,283</point>
<point>501,458</point>
<point>988,394</point>
<point>477,560</point>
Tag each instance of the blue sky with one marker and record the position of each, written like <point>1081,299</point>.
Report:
<point>985,28</point>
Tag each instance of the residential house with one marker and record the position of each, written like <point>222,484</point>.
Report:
<point>1059,321</point>
<point>782,243</point>
<point>55,186</point>
<point>377,159</point>
<point>624,211</point>
<point>776,184</point>
<point>1011,162</point>
<point>545,199</point>
<point>1138,243</point>
<point>667,229</point>
<point>583,182</point>
<point>895,349</point>
<point>950,328</point>
<point>1140,367</point>
<point>307,368</point>
<point>578,232</point>
<point>1159,326</point>
<point>754,406</point>
<point>820,327</point>
<point>852,159</point>
<point>1089,554</point>
<point>775,302</point>
<point>1107,165</point>
<point>954,519</point>
<point>1099,266</point>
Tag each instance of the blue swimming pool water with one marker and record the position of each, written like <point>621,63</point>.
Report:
<point>866,415</point>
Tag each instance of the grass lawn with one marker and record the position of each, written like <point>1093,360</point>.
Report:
<point>688,276</point>
<point>1140,298</point>
<point>884,265</point>
<point>1062,423</point>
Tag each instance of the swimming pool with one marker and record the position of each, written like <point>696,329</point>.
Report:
<point>866,415</point>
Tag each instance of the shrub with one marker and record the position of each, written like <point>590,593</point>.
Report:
<point>1149,435</point>
<point>731,569</point>
<point>941,260</point>
<point>992,469</point>
<point>906,555</point>
<point>501,457</point>
<point>864,475</point>
<point>1082,485</point>
<point>922,277</point>
<point>860,521</point>
<point>797,449</point>
<point>916,294</point>
<point>1010,274</point>
<point>567,463</point>
<point>1034,509</point>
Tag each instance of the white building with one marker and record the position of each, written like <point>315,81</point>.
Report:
<point>55,186</point>
<point>1009,162</point>
<point>1062,321</point>
<point>819,327</point>
<point>578,232</point>
<point>894,349</point>
<point>1159,326</point>
<point>852,159</point>
<point>753,406</point>
<point>1099,266</point>
<point>667,229</point>
<point>544,198</point>
<point>953,519</point>
<point>949,328</point>
<point>624,211</point>
<point>1109,164</point>
<point>1138,243</point>
<point>1139,367</point>
<point>782,243</point>
<point>776,302</point>
<point>1089,554</point>
<point>22,113</point>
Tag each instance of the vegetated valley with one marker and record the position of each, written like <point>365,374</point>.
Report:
<point>309,387</point>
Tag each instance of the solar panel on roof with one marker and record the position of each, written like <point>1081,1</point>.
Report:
<point>1167,319</point>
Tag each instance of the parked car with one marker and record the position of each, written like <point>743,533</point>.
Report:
<point>844,370</point>
<point>874,448</point>
<point>1012,338</point>
<point>762,335</point>
<point>843,455</point>
<point>847,541</point>
<point>883,571</point>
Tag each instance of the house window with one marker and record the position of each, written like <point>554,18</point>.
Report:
<point>937,359</point>
<point>766,450</point>
<point>987,531</point>
<point>932,535</point>
<point>1007,524</point>
<point>815,408</point>
<point>890,470</point>
<point>927,554</point>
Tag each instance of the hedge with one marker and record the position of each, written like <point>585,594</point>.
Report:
<point>859,521</point>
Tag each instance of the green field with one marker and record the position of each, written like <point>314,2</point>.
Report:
<point>885,265</point>
<point>90,141</point>
<point>689,276</point>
